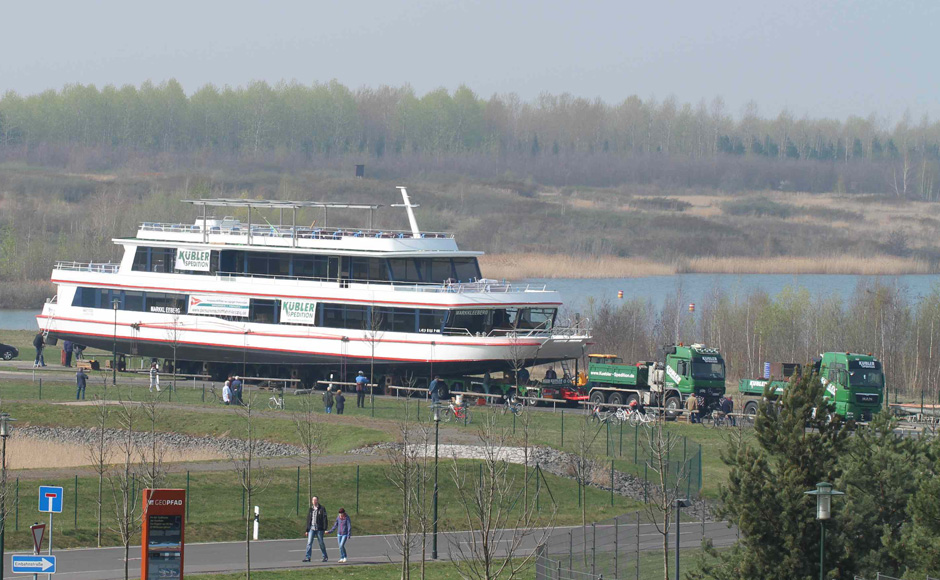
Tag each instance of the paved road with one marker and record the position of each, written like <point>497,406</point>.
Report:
<point>108,563</point>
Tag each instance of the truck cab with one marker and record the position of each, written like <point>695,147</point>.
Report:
<point>854,383</point>
<point>695,370</point>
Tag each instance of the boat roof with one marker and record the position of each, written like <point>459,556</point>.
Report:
<point>277,204</point>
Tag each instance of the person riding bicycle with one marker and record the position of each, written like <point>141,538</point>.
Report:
<point>637,406</point>
<point>727,408</point>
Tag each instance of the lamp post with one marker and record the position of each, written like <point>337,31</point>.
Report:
<point>5,421</point>
<point>823,493</point>
<point>437,426</point>
<point>115,303</point>
<point>680,503</point>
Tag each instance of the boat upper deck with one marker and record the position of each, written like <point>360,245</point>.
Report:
<point>229,231</point>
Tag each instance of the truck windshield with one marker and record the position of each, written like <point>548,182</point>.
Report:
<point>708,371</point>
<point>867,378</point>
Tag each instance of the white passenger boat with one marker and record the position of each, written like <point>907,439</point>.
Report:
<point>223,294</point>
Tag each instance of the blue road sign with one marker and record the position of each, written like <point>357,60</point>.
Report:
<point>24,564</point>
<point>50,499</point>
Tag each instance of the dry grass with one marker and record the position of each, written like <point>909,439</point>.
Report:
<point>521,266</point>
<point>28,453</point>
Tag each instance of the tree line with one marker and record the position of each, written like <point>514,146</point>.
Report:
<point>792,326</point>
<point>309,123</point>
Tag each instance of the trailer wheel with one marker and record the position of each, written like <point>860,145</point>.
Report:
<point>672,408</point>
<point>598,397</point>
<point>750,411</point>
<point>615,399</point>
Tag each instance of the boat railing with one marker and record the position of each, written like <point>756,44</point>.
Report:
<point>398,286</point>
<point>580,328</point>
<point>288,232</point>
<point>99,267</point>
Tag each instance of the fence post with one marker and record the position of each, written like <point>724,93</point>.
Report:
<point>611,483</point>
<point>40,388</point>
<point>188,498</point>
<point>621,439</point>
<point>243,502</point>
<point>513,423</point>
<point>538,482</point>
<point>700,468</point>
<point>203,392</point>
<point>616,547</point>
<point>357,489</point>
<point>593,548</point>
<point>637,545</point>
<point>636,438</point>
<point>607,447</point>
<point>562,426</point>
<point>76,502</point>
<point>646,481</point>
<point>570,548</point>
<point>17,522</point>
<point>297,508</point>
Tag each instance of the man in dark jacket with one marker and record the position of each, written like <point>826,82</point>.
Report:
<point>81,379</point>
<point>67,351</point>
<point>317,523</point>
<point>340,401</point>
<point>328,400</point>
<point>39,342</point>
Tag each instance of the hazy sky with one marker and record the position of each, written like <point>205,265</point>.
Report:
<point>824,58</point>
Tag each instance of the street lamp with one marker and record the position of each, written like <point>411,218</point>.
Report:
<point>5,421</point>
<point>680,503</point>
<point>437,426</point>
<point>823,493</point>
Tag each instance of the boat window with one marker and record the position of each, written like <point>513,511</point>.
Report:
<point>441,270</point>
<point>141,257</point>
<point>162,259</point>
<point>431,321</point>
<point>404,270</point>
<point>466,269</point>
<point>268,264</point>
<point>357,317</point>
<point>134,301</point>
<point>165,303</point>
<point>541,318</point>
<point>264,311</point>
<point>397,319</point>
<point>471,321</point>
<point>367,269</point>
<point>311,266</point>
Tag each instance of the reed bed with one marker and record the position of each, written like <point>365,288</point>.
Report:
<point>521,266</point>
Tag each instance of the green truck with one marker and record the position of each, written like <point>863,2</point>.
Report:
<point>854,384</point>
<point>685,371</point>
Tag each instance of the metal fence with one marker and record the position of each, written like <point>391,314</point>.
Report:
<point>621,547</point>
<point>880,576</point>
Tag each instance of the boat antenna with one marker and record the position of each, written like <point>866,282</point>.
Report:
<point>408,207</point>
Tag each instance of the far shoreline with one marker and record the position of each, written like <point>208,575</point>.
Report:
<point>519,266</point>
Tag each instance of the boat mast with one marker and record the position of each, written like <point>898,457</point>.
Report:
<point>411,214</point>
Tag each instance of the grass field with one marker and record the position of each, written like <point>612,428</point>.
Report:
<point>216,502</point>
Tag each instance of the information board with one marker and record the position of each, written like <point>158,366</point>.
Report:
<point>163,534</point>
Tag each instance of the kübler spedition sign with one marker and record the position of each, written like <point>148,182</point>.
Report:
<point>299,311</point>
<point>197,260</point>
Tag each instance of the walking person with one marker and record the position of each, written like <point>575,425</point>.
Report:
<point>316,525</point>
<point>340,400</point>
<point>39,342</point>
<point>434,389</point>
<point>81,379</point>
<point>727,408</point>
<point>154,377</point>
<point>328,400</point>
<point>343,526</point>
<point>67,353</point>
<point>237,390</point>
<point>227,393</point>
<point>77,351</point>
<point>362,381</point>
<point>691,405</point>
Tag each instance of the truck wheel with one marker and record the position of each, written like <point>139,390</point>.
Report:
<point>672,407</point>
<point>598,397</point>
<point>615,399</point>
<point>631,398</point>
<point>750,411</point>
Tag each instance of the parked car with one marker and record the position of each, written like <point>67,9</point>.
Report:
<point>8,352</point>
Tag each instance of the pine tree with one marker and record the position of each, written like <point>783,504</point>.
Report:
<point>792,449</point>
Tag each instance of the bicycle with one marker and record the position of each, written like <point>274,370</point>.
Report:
<point>637,418</point>
<point>512,406</point>
<point>276,402</point>
<point>460,413</point>
<point>600,416</point>
<point>212,395</point>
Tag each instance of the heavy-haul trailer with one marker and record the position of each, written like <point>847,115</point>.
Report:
<point>684,371</point>
<point>854,384</point>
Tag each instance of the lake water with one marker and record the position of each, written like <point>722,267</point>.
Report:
<point>695,288</point>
